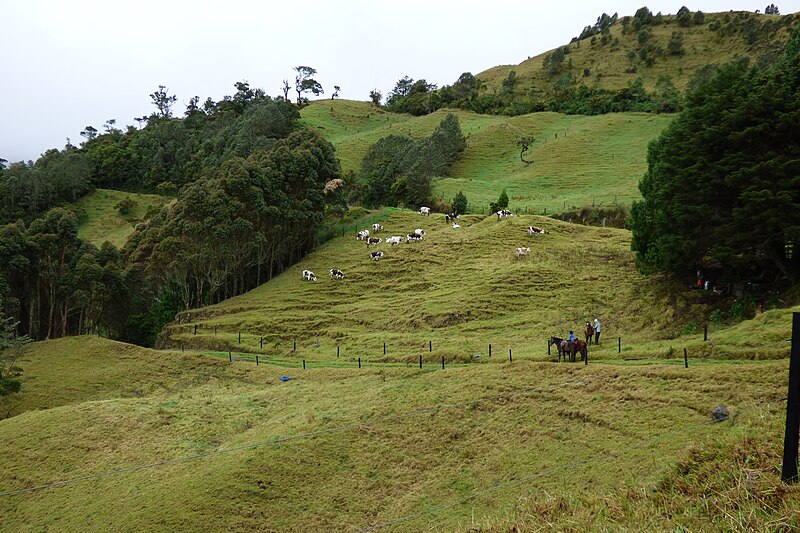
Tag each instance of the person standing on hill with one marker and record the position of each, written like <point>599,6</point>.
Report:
<point>596,331</point>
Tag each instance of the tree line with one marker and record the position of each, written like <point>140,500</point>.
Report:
<point>721,190</point>
<point>252,188</point>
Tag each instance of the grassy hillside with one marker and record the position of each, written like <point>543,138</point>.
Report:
<point>469,448</point>
<point>103,222</point>
<point>610,65</point>
<point>462,289</point>
<point>578,160</point>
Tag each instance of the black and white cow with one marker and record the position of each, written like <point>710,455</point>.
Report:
<point>363,234</point>
<point>308,275</point>
<point>504,213</point>
<point>376,228</point>
<point>413,237</point>
<point>375,255</point>
<point>373,240</point>
<point>393,240</point>
<point>336,273</point>
<point>450,216</point>
<point>425,211</point>
<point>533,230</point>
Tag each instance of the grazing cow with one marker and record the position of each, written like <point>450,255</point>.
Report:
<point>363,234</point>
<point>413,237</point>
<point>504,213</point>
<point>375,255</point>
<point>336,273</point>
<point>533,230</point>
<point>308,275</point>
<point>373,240</point>
<point>456,225</point>
<point>521,252</point>
<point>376,228</point>
<point>393,240</point>
<point>420,232</point>
<point>450,216</point>
<point>425,211</point>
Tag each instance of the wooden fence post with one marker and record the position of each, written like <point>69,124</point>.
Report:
<point>195,329</point>
<point>304,364</point>
<point>359,362</point>
<point>430,346</point>
<point>240,337</point>
<point>230,357</point>
<point>261,339</point>
<point>685,358</point>
<point>337,351</point>
<point>509,356</point>
<point>490,350</point>
<point>619,344</point>
<point>256,359</point>
<point>792,434</point>
<point>548,347</point>
<point>442,362</point>
<point>384,348</point>
<point>420,362</point>
<point>294,346</point>
<point>705,332</point>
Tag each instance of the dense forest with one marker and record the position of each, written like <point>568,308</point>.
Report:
<point>252,187</point>
<point>723,181</point>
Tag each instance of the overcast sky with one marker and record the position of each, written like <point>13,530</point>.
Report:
<point>69,64</point>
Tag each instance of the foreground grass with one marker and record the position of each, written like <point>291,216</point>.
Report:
<point>504,440</point>
<point>102,220</point>
<point>578,160</point>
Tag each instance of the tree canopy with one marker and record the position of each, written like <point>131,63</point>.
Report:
<point>723,180</point>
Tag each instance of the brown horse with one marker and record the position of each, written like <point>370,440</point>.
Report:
<point>561,345</point>
<point>588,332</point>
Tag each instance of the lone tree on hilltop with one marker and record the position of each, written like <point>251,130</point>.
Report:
<point>336,90</point>
<point>375,96</point>
<point>303,83</point>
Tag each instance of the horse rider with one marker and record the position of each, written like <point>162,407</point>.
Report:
<point>571,337</point>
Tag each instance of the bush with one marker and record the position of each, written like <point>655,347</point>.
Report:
<point>460,203</point>
<point>126,205</point>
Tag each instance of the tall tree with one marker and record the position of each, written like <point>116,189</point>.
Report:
<point>163,101</point>
<point>304,83</point>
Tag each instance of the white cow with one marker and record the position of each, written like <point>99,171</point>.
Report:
<point>456,225</point>
<point>363,234</point>
<point>420,232</point>
<point>521,252</point>
<point>376,228</point>
<point>308,275</point>
<point>393,240</point>
<point>425,211</point>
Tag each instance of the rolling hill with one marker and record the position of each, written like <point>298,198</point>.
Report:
<point>578,160</point>
<point>217,445</point>
<point>720,38</point>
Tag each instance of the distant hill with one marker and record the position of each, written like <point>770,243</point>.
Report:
<point>615,58</point>
<point>578,160</point>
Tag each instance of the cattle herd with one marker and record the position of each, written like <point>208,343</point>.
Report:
<point>417,236</point>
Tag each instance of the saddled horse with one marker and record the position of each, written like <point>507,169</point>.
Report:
<point>567,349</point>
<point>588,332</point>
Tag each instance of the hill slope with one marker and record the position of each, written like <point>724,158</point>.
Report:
<point>346,449</point>
<point>721,38</point>
<point>578,160</point>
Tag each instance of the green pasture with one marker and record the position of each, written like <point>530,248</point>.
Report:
<point>103,222</point>
<point>483,447</point>
<point>578,160</point>
<point>460,290</point>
